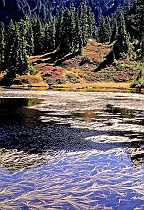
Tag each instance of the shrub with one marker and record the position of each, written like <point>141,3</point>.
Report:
<point>72,78</point>
<point>139,81</point>
<point>60,81</point>
<point>136,83</point>
<point>85,59</point>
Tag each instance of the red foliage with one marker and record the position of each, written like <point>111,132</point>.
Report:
<point>48,68</point>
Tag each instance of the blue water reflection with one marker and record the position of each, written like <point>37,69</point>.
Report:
<point>62,154</point>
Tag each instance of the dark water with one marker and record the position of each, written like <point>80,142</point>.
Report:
<point>70,150</point>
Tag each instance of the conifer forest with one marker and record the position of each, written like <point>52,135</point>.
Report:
<point>72,104</point>
<point>37,27</point>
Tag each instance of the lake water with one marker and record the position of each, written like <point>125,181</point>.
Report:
<point>71,150</point>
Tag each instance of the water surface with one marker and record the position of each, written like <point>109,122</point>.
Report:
<point>71,150</point>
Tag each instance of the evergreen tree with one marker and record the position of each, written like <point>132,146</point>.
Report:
<point>65,42</point>
<point>66,35</point>
<point>108,29</point>
<point>29,36</point>
<point>2,42</point>
<point>92,30</point>
<point>50,35</point>
<point>143,36</point>
<point>9,45</point>
<point>17,51</point>
<point>141,28</point>
<point>59,29</point>
<point>114,33</point>
<point>16,60</point>
<point>83,23</point>
<point>23,64</point>
<point>102,30</point>
<point>121,46</point>
<point>38,32</point>
<point>78,37</point>
<point>74,33</point>
<point>135,23</point>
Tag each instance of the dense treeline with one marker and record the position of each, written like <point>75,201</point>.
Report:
<point>125,27</point>
<point>67,33</point>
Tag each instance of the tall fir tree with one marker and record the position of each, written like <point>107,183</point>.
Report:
<point>16,60</point>
<point>9,45</point>
<point>73,34</point>
<point>114,33</point>
<point>38,32</point>
<point>24,66</point>
<point>50,35</point>
<point>122,46</point>
<point>141,29</point>
<point>78,38</point>
<point>29,36</point>
<point>65,42</point>
<point>83,23</point>
<point>2,42</point>
<point>108,29</point>
<point>92,30</point>
<point>102,30</point>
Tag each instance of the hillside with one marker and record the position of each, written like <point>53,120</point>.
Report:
<point>82,68</point>
<point>71,48</point>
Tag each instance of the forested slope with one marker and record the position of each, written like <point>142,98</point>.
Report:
<point>63,36</point>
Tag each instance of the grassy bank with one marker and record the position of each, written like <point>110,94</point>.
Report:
<point>97,85</point>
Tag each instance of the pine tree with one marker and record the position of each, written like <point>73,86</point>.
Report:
<point>29,36</point>
<point>92,30</point>
<point>83,23</point>
<point>50,35</point>
<point>121,46</point>
<point>66,39</point>
<point>135,23</point>
<point>73,34</point>
<point>16,51</point>
<point>2,42</point>
<point>65,42</point>
<point>102,30</point>
<point>114,33</point>
<point>16,60</point>
<point>108,29</point>
<point>23,64</point>
<point>141,28</point>
<point>78,38</point>
<point>59,29</point>
<point>38,32</point>
<point>9,44</point>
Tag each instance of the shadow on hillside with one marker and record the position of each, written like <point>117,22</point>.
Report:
<point>108,61</point>
<point>57,57</point>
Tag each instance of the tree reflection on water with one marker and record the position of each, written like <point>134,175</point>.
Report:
<point>64,154</point>
<point>28,141</point>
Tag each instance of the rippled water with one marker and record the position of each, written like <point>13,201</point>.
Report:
<point>71,150</point>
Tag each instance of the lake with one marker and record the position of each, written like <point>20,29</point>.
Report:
<point>71,150</point>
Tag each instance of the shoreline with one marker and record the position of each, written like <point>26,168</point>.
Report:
<point>96,86</point>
